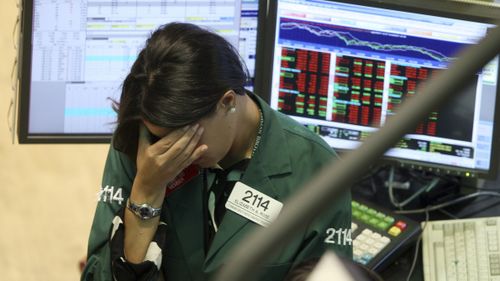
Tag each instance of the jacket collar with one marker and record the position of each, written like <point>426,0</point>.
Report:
<point>273,146</point>
<point>186,206</point>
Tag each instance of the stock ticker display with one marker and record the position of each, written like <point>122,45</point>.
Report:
<point>345,83</point>
<point>304,82</point>
<point>358,88</point>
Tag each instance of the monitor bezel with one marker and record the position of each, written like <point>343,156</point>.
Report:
<point>24,136</point>
<point>25,60</point>
<point>459,10</point>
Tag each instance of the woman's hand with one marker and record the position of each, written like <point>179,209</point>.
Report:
<point>160,162</point>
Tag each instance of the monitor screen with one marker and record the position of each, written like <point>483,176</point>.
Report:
<point>76,54</point>
<point>342,68</point>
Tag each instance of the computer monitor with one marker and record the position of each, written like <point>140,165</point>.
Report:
<point>342,68</point>
<point>76,54</point>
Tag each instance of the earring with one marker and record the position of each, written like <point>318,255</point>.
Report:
<point>232,109</point>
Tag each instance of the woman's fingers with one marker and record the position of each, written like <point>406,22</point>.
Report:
<point>165,143</point>
<point>197,153</point>
<point>191,146</point>
<point>178,149</point>
<point>159,162</point>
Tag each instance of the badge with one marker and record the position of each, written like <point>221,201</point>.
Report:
<point>182,178</point>
<point>253,204</point>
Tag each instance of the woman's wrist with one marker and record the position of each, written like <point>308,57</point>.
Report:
<point>152,196</point>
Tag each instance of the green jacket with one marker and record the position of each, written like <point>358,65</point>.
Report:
<point>289,154</point>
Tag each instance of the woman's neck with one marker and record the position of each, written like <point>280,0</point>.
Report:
<point>246,132</point>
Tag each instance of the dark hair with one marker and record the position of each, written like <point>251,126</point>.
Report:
<point>302,271</point>
<point>177,79</point>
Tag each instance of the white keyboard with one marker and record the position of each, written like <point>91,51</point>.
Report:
<point>464,249</point>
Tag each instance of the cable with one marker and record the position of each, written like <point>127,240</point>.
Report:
<point>449,203</point>
<point>13,83</point>
<point>14,78</point>
<point>448,214</point>
<point>15,30</point>
<point>417,246</point>
<point>400,205</point>
<point>367,184</point>
<point>372,172</point>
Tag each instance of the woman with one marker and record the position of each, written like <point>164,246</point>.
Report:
<point>188,132</point>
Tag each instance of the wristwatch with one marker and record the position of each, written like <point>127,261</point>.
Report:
<point>143,211</point>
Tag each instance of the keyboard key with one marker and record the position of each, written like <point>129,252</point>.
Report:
<point>356,253</point>
<point>363,208</point>
<point>374,221</point>
<point>356,243</point>
<point>372,212</point>
<point>495,262</point>
<point>389,220</point>
<point>437,227</point>
<point>495,271</point>
<point>380,215</point>
<point>385,240</point>
<point>373,251</point>
<point>367,257</point>
<point>367,232</point>
<point>383,225</point>
<point>394,231</point>
<point>363,247</point>
<point>470,226</point>
<point>448,229</point>
<point>491,222</point>
<point>401,225</point>
<point>362,238</point>
<point>379,245</point>
<point>371,239</point>
<point>354,227</point>
<point>357,213</point>
<point>365,218</point>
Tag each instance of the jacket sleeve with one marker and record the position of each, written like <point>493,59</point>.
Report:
<point>330,231</point>
<point>105,259</point>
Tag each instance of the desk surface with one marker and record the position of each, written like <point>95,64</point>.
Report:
<point>399,270</point>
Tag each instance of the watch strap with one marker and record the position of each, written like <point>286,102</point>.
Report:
<point>143,211</point>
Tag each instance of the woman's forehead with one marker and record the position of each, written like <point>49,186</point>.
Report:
<point>157,131</point>
<point>160,132</point>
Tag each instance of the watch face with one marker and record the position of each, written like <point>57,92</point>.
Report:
<point>145,212</point>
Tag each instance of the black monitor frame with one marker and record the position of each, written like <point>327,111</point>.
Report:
<point>459,10</point>
<point>24,74</point>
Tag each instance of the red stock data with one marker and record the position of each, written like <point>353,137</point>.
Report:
<point>403,84</point>
<point>358,90</point>
<point>304,83</point>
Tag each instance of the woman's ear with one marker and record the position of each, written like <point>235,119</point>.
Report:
<point>228,101</point>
